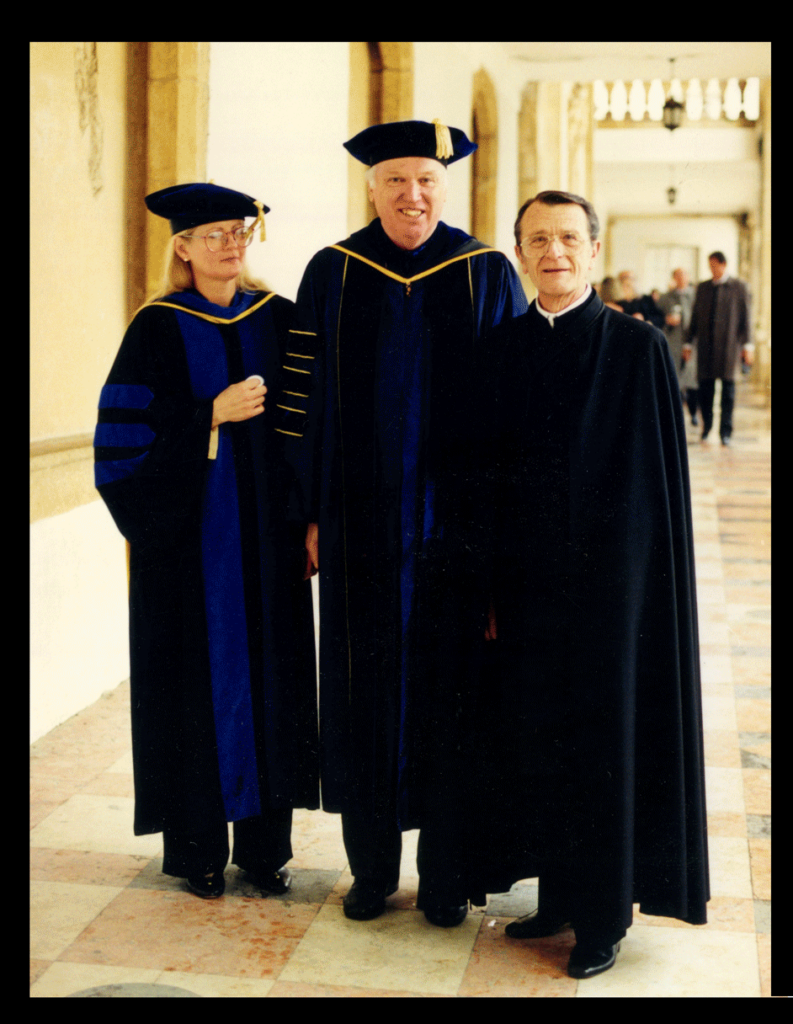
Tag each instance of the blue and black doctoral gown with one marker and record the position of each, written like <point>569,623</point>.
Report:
<point>597,778</point>
<point>223,678</point>
<point>397,332</point>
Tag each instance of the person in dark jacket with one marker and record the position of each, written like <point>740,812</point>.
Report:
<point>721,332</point>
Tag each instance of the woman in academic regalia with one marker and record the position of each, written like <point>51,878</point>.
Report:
<point>191,461</point>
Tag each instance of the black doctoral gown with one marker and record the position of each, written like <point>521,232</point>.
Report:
<point>397,334</point>
<point>593,706</point>
<point>223,679</point>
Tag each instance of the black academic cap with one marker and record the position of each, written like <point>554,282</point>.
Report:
<point>187,206</point>
<point>410,138</point>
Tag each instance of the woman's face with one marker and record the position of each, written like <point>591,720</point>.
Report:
<point>224,265</point>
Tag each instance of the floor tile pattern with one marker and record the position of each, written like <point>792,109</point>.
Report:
<point>105,919</point>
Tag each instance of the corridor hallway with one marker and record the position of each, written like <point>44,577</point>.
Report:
<point>104,918</point>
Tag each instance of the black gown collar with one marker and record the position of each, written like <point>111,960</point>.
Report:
<point>547,343</point>
<point>571,324</point>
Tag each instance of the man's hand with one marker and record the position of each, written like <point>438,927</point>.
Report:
<point>686,353</point>
<point>312,550</point>
<point>238,402</point>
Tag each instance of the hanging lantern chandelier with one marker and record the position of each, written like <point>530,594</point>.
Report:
<point>673,110</point>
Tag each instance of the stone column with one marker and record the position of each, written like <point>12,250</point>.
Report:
<point>580,141</point>
<point>552,135</point>
<point>178,114</point>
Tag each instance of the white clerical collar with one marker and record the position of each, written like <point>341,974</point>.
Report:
<point>550,317</point>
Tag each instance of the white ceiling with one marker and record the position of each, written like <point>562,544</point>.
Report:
<point>585,62</point>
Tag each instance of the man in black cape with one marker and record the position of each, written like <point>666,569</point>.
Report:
<point>398,310</point>
<point>598,786</point>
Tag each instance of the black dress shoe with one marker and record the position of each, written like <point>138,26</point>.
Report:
<point>365,899</point>
<point>276,882</point>
<point>446,917</point>
<point>536,926</point>
<point>586,961</point>
<point>726,440</point>
<point>207,887</point>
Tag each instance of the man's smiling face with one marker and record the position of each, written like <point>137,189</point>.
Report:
<point>409,195</point>
<point>559,269</point>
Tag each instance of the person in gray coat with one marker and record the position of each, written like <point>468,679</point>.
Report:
<point>676,306</point>
<point>721,329</point>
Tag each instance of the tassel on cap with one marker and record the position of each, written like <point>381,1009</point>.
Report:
<point>443,140</point>
<point>260,218</point>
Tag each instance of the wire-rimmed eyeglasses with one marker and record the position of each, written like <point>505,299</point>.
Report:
<point>571,241</point>
<point>216,240</point>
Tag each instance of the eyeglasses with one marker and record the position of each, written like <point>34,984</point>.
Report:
<point>570,242</point>
<point>216,240</point>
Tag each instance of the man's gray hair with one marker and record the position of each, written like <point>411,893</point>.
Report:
<point>370,172</point>
<point>556,198</point>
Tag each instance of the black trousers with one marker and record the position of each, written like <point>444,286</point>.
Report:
<point>261,844</point>
<point>574,896</point>
<point>692,401</point>
<point>706,392</point>
<point>374,848</point>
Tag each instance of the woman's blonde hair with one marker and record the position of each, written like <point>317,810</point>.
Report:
<point>178,277</point>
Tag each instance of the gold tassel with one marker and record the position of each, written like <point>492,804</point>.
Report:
<point>443,140</point>
<point>260,206</point>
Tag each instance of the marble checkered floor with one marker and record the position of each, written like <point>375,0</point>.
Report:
<point>105,920</point>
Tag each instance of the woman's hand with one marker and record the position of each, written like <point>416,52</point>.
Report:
<point>238,402</point>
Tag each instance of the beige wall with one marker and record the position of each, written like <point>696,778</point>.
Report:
<point>78,613</point>
<point>444,87</point>
<point>77,242</point>
<point>277,121</point>
<point>78,315</point>
<point>628,240</point>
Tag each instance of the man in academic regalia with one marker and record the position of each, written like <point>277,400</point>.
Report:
<point>598,786</point>
<point>398,309</point>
